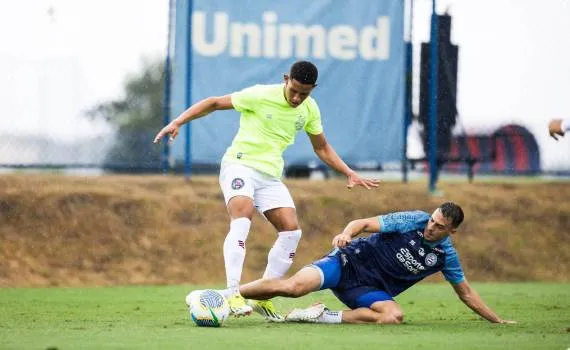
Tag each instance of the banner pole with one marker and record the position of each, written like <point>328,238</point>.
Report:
<point>188,128</point>
<point>166,93</point>
<point>432,113</point>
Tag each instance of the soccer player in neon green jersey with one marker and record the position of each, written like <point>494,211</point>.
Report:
<point>251,170</point>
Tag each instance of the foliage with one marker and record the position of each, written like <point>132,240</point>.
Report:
<point>136,117</point>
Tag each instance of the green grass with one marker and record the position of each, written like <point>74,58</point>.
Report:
<point>156,318</point>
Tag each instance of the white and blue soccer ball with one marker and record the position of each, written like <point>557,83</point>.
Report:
<point>208,308</point>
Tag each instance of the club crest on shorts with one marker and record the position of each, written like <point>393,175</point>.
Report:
<point>431,259</point>
<point>237,183</point>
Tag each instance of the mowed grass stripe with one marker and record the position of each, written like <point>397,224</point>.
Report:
<point>155,317</point>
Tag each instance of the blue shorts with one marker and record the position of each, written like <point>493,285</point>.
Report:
<point>349,292</point>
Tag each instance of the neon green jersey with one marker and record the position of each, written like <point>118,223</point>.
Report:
<point>268,125</point>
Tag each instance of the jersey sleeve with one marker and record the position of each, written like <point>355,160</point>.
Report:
<point>314,125</point>
<point>403,221</point>
<point>452,270</point>
<point>246,99</point>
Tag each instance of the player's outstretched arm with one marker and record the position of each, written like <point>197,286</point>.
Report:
<point>354,228</point>
<point>471,298</point>
<point>195,111</point>
<point>327,154</point>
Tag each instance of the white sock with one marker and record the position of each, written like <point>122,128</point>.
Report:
<point>281,255</point>
<point>234,253</point>
<point>329,316</point>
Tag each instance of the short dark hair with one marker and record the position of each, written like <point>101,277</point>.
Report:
<point>304,72</point>
<point>452,211</point>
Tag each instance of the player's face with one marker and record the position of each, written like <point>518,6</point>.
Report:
<point>438,227</point>
<point>295,92</point>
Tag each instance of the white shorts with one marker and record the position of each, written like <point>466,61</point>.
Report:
<point>266,191</point>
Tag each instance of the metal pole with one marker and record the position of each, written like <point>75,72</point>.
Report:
<point>187,131</point>
<point>408,92</point>
<point>166,95</point>
<point>432,114</point>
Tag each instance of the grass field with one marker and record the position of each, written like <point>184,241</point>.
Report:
<point>156,318</point>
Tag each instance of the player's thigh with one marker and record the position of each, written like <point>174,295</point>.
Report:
<point>273,200</point>
<point>238,186</point>
<point>358,296</point>
<point>305,281</point>
<point>329,270</point>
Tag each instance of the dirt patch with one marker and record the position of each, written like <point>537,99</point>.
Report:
<point>72,231</point>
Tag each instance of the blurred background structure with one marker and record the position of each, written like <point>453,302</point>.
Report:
<point>83,85</point>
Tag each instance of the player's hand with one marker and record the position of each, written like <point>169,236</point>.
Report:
<point>171,129</point>
<point>341,240</point>
<point>555,128</point>
<point>355,180</point>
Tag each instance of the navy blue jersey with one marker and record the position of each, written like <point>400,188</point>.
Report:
<point>397,257</point>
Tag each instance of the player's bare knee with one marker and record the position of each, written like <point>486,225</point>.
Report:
<point>290,224</point>
<point>390,317</point>
<point>240,207</point>
<point>292,227</point>
<point>295,288</point>
<point>289,289</point>
<point>394,317</point>
<point>298,289</point>
<point>398,316</point>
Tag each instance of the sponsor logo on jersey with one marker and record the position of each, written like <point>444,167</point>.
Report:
<point>421,252</point>
<point>409,262</point>
<point>412,243</point>
<point>431,259</point>
<point>438,250</point>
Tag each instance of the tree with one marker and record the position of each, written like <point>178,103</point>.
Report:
<point>136,118</point>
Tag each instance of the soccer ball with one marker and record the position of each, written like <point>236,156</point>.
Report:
<point>208,308</point>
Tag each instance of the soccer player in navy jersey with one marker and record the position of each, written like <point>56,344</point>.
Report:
<point>367,273</point>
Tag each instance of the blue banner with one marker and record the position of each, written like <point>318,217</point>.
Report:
<point>356,44</point>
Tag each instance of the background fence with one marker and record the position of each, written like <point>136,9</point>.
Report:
<point>76,95</point>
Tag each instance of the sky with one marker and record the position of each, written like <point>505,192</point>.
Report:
<point>60,57</point>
